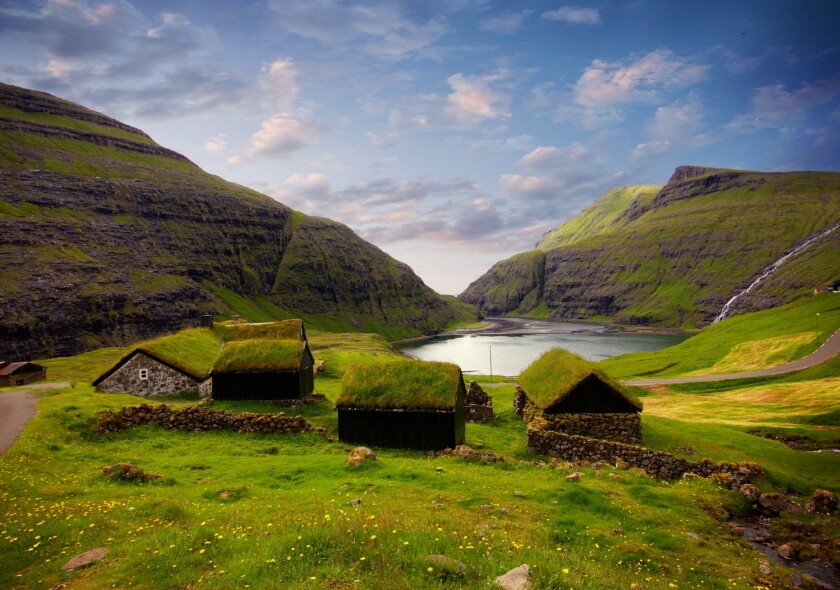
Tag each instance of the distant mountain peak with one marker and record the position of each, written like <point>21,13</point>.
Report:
<point>683,172</point>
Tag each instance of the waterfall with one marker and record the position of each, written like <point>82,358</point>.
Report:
<point>771,269</point>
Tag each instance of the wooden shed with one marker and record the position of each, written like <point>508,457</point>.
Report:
<point>21,373</point>
<point>572,395</point>
<point>263,369</point>
<point>402,403</point>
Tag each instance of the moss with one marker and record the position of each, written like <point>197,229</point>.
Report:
<point>242,356</point>
<point>401,383</point>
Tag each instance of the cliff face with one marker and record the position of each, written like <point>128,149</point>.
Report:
<point>674,256</point>
<point>107,238</point>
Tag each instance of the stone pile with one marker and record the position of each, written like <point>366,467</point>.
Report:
<point>196,418</point>
<point>588,450</point>
<point>626,428</point>
<point>478,405</point>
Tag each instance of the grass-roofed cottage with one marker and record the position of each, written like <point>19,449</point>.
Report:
<point>263,369</point>
<point>561,391</point>
<point>168,365</point>
<point>404,404</point>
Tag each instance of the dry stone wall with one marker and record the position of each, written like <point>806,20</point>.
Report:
<point>580,448</point>
<point>478,405</point>
<point>626,428</point>
<point>196,418</point>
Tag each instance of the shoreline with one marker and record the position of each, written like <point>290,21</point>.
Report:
<point>500,325</point>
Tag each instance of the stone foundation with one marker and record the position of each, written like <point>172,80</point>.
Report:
<point>478,405</point>
<point>198,419</point>
<point>580,448</point>
<point>625,428</point>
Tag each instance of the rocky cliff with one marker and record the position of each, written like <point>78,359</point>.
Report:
<point>673,255</point>
<point>107,238</point>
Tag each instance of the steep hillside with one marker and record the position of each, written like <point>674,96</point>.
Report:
<point>675,256</point>
<point>108,238</point>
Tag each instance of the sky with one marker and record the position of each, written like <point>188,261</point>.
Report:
<point>450,133</point>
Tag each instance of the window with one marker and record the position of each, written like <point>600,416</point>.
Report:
<point>144,373</point>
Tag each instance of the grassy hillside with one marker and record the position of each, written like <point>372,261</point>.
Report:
<point>600,217</point>
<point>108,238</point>
<point>675,258</point>
<point>268,510</point>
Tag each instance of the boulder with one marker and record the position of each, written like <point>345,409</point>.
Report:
<point>515,579</point>
<point>774,503</point>
<point>750,492</point>
<point>359,455</point>
<point>446,566</point>
<point>85,559</point>
<point>823,501</point>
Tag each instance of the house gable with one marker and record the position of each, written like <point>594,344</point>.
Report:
<point>592,395</point>
<point>141,373</point>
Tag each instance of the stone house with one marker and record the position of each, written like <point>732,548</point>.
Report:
<point>479,405</point>
<point>405,404</point>
<point>564,393</point>
<point>142,372</point>
<point>21,373</point>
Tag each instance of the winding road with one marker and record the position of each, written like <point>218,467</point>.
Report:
<point>17,408</point>
<point>828,350</point>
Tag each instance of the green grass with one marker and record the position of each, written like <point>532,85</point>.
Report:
<point>259,355</point>
<point>710,346</point>
<point>400,383</point>
<point>193,350</point>
<point>71,123</point>
<point>280,330</point>
<point>237,510</point>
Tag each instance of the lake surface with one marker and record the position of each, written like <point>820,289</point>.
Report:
<point>523,341</point>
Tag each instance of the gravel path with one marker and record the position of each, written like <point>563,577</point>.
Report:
<point>829,349</point>
<point>17,408</point>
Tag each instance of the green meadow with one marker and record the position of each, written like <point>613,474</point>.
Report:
<point>269,511</point>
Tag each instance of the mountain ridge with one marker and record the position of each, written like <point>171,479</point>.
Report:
<point>107,238</point>
<point>673,257</point>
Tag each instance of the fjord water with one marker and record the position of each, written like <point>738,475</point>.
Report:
<point>515,348</point>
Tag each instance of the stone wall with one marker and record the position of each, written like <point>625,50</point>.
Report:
<point>626,428</point>
<point>478,405</point>
<point>580,448</point>
<point>195,418</point>
<point>161,380</point>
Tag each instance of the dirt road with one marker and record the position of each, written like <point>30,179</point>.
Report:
<point>829,349</point>
<point>17,407</point>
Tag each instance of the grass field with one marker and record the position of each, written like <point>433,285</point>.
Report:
<point>268,511</point>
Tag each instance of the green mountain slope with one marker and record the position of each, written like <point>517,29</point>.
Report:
<point>108,238</point>
<point>676,256</point>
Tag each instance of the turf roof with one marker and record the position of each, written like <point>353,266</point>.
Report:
<point>259,355</point>
<point>282,330</point>
<point>554,375</point>
<point>404,383</point>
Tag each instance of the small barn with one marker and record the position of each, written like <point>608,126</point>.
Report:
<point>570,395</point>
<point>263,369</point>
<point>21,373</point>
<point>402,403</point>
<point>169,365</point>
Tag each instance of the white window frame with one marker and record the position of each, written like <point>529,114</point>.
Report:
<point>144,374</point>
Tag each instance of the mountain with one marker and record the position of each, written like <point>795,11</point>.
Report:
<point>673,255</point>
<point>108,238</point>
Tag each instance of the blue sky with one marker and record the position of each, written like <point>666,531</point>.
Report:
<point>451,134</point>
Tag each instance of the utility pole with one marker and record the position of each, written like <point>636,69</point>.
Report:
<point>491,363</point>
<point>818,325</point>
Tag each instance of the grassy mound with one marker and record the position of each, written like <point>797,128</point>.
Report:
<point>408,384</point>
<point>244,356</point>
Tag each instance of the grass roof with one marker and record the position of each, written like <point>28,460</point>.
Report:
<point>401,383</point>
<point>553,376</point>
<point>259,355</point>
<point>191,351</point>
<point>283,330</point>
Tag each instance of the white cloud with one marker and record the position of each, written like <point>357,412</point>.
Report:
<point>574,14</point>
<point>280,76</point>
<point>676,122</point>
<point>382,30</point>
<point>505,24</point>
<point>776,107</point>
<point>651,149</point>
<point>279,137</point>
<point>552,157</point>
<point>473,100</point>
<point>216,144</point>
<point>640,79</point>
<point>532,187</point>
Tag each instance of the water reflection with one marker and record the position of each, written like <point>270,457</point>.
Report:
<point>512,353</point>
